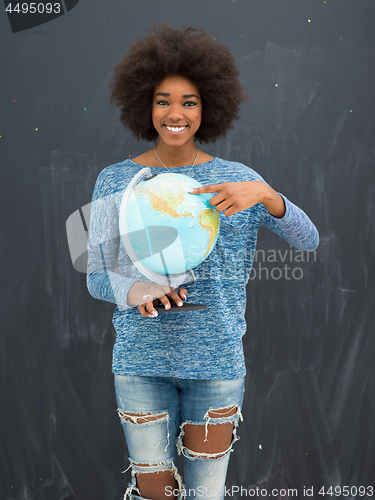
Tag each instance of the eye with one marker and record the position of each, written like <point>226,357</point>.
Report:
<point>190,104</point>
<point>161,103</point>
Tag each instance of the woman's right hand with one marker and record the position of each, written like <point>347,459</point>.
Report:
<point>146,295</point>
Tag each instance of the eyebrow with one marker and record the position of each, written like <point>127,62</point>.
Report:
<point>185,96</point>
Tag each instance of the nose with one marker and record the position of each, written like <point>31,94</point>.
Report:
<point>175,112</point>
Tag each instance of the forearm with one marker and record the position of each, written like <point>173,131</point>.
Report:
<point>295,226</point>
<point>109,286</point>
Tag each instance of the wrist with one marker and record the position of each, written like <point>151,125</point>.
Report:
<point>273,202</point>
<point>132,298</point>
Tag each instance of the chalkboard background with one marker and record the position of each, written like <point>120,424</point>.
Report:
<point>308,129</point>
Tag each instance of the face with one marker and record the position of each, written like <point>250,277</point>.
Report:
<point>176,111</point>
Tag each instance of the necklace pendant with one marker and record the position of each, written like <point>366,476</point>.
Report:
<point>195,159</point>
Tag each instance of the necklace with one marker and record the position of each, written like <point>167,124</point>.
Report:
<point>196,156</point>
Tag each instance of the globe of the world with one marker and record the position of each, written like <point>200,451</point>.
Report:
<point>171,231</point>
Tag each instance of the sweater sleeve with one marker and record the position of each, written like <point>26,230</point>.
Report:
<point>104,280</point>
<point>295,227</point>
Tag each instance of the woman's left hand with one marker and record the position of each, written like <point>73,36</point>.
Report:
<point>232,197</point>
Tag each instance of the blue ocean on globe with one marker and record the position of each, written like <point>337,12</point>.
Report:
<point>171,230</point>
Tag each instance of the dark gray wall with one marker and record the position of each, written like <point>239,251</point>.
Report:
<point>308,130</point>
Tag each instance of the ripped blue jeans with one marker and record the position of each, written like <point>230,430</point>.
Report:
<point>153,445</point>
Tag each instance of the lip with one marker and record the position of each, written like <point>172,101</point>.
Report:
<point>175,133</point>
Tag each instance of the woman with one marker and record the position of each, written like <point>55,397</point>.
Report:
<point>179,378</point>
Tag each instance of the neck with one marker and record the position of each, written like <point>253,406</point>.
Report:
<point>176,157</point>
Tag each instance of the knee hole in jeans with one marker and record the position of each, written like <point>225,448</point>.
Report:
<point>195,436</point>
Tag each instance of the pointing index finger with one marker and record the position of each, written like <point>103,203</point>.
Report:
<point>211,188</point>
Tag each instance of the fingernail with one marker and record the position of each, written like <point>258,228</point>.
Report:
<point>183,296</point>
<point>154,313</point>
<point>179,303</point>
<point>191,190</point>
<point>167,306</point>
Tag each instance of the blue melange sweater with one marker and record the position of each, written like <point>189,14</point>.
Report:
<point>204,344</point>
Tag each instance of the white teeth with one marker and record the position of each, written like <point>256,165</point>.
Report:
<point>175,129</point>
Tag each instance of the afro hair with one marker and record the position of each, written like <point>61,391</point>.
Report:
<point>190,52</point>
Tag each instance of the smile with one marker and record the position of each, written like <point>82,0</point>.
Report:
<point>175,129</point>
